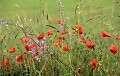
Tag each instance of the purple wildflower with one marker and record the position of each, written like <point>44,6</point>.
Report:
<point>28,34</point>
<point>42,42</point>
<point>37,41</point>
<point>3,22</point>
<point>33,50</point>
<point>61,28</point>
<point>37,58</point>
<point>44,48</point>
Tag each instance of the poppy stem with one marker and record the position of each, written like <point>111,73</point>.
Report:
<point>91,72</point>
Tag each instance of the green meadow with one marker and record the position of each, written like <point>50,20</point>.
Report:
<point>32,8</point>
<point>24,51</point>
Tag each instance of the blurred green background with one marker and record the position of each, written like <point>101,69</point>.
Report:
<point>104,15</point>
<point>100,13</point>
<point>8,8</point>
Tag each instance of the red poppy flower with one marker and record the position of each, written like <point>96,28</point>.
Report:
<point>28,47</point>
<point>76,27</point>
<point>105,34</point>
<point>57,43</point>
<point>118,38</point>
<point>94,63</point>
<point>79,29</point>
<point>11,50</point>
<point>62,37</point>
<point>34,46</point>
<point>82,38</point>
<point>5,64</point>
<point>90,45</point>
<point>114,49</point>
<point>66,48</point>
<point>25,40</point>
<point>20,58</point>
<point>64,32</point>
<point>49,33</point>
<point>60,22</point>
<point>40,36</point>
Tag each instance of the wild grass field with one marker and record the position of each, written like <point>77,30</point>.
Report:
<point>59,38</point>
